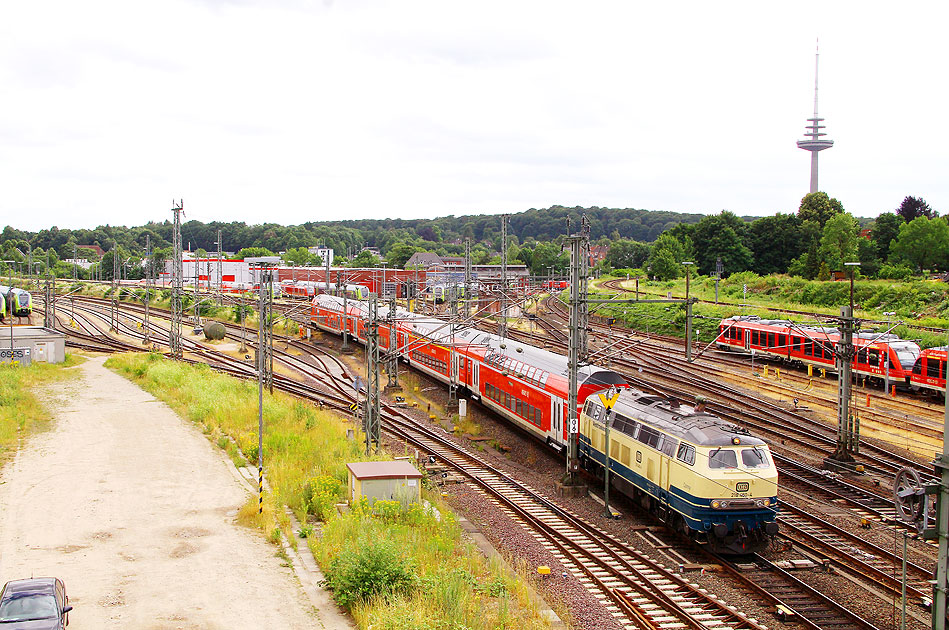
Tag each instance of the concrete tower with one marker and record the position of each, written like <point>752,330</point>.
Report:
<point>813,132</point>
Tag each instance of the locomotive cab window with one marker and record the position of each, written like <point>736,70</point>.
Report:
<point>686,453</point>
<point>720,458</point>
<point>754,458</point>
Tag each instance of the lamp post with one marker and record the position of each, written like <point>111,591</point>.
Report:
<point>10,262</point>
<point>688,312</point>
<point>852,266</point>
<point>886,381</point>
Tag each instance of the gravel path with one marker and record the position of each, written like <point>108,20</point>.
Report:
<point>135,510</point>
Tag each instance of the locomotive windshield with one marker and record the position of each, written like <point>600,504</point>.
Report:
<point>754,458</point>
<point>720,458</point>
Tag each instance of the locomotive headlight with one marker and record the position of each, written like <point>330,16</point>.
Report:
<point>716,505</point>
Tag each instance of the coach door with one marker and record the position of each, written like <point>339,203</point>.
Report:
<point>556,418</point>
<point>454,367</point>
<point>474,379</point>
<point>747,334</point>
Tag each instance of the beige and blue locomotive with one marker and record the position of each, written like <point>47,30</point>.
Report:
<point>704,477</point>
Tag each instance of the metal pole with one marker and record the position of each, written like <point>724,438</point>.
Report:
<point>606,464</point>
<point>942,527</point>
<point>688,313</point>
<point>148,285</point>
<point>177,286</point>
<point>502,322</point>
<point>261,367</point>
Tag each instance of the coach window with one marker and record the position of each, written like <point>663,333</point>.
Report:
<point>669,446</point>
<point>873,356</point>
<point>782,341</point>
<point>862,355</point>
<point>686,453</point>
<point>754,337</point>
<point>771,343</point>
<point>720,458</point>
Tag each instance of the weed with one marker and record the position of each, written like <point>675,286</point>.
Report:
<point>275,535</point>
<point>305,531</point>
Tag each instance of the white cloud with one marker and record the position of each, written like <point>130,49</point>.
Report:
<point>294,111</point>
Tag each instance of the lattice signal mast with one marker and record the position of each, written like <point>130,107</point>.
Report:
<point>814,142</point>
<point>177,284</point>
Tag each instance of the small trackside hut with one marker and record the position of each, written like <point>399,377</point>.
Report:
<point>397,480</point>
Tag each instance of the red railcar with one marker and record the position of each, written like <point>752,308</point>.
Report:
<point>930,370</point>
<point>526,385</point>
<point>882,357</point>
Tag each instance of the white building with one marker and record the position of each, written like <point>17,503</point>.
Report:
<point>326,253</point>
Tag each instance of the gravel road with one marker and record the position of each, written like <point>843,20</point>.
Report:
<point>135,510</point>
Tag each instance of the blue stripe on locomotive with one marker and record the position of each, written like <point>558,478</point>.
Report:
<point>696,511</point>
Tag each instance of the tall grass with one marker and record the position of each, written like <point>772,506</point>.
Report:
<point>424,575</point>
<point>21,412</point>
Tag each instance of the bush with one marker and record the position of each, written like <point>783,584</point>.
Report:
<point>373,568</point>
<point>895,272</point>
<point>320,495</point>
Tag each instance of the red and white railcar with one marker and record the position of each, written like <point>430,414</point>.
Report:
<point>526,385</point>
<point>930,370</point>
<point>883,357</point>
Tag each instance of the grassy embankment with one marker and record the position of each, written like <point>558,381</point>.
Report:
<point>21,412</point>
<point>397,566</point>
<point>917,303</point>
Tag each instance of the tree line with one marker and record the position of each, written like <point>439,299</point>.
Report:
<point>813,242</point>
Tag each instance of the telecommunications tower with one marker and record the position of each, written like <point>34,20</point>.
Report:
<point>814,143</point>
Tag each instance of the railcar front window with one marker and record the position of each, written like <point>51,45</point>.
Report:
<point>719,458</point>
<point>754,458</point>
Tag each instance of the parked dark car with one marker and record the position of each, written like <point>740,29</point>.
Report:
<point>34,604</point>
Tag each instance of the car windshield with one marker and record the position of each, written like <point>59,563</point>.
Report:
<point>26,607</point>
<point>720,458</point>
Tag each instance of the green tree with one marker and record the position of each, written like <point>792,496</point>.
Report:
<point>883,231</point>
<point>253,252</point>
<point>774,242</point>
<point>365,259</point>
<point>924,242</point>
<point>627,254</point>
<point>665,261</point>
<point>838,243</point>
<point>819,207</point>
<point>300,256</point>
<point>400,253</point>
<point>720,236</point>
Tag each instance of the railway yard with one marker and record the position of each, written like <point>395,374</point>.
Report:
<point>836,563</point>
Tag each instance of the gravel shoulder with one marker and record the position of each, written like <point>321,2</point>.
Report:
<point>135,510</point>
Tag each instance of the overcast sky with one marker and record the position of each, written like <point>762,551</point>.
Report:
<point>291,111</point>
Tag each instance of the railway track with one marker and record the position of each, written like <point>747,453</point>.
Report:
<point>601,569</point>
<point>639,590</point>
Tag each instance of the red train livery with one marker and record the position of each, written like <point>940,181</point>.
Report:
<point>929,373</point>
<point>526,385</point>
<point>879,356</point>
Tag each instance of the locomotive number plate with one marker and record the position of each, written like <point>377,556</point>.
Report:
<point>741,486</point>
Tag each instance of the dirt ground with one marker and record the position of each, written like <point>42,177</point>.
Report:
<point>135,510</point>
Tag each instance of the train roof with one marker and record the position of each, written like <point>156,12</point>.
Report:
<point>682,421</point>
<point>505,353</point>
